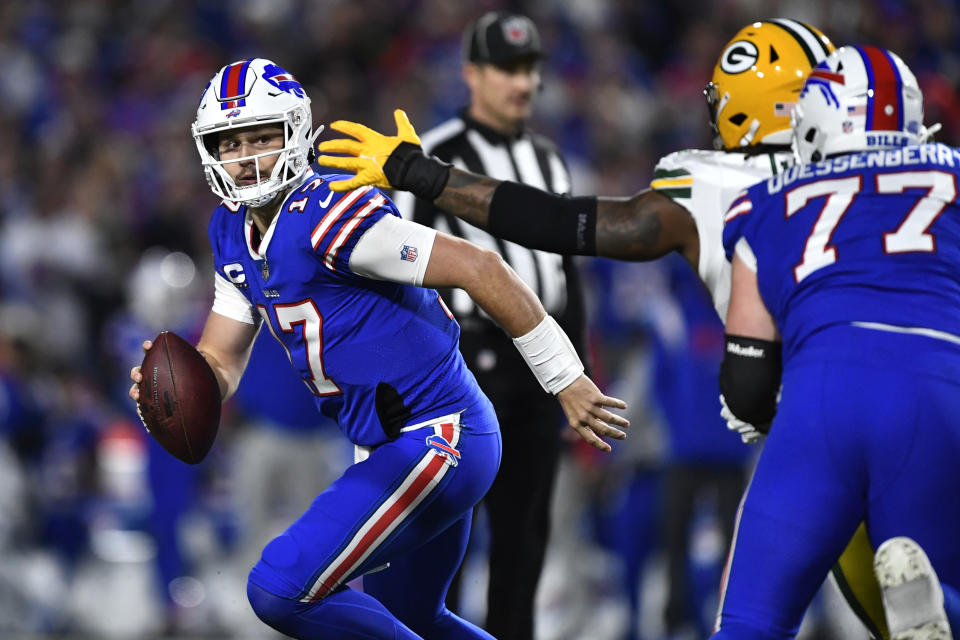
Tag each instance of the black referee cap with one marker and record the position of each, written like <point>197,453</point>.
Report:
<point>499,37</point>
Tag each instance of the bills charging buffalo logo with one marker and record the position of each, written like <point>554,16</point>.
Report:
<point>283,80</point>
<point>824,79</point>
<point>232,114</point>
<point>439,444</point>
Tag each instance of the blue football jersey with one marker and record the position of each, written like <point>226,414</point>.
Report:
<point>376,355</point>
<point>871,237</point>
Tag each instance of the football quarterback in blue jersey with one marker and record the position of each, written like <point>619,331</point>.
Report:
<point>338,279</point>
<point>846,288</point>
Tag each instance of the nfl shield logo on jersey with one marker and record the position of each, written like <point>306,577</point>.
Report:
<point>408,253</point>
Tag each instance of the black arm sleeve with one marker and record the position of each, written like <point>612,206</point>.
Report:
<point>540,220</point>
<point>750,379</point>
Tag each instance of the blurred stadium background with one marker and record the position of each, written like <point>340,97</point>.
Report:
<point>103,214</point>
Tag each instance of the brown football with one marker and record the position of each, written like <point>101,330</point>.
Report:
<point>179,398</point>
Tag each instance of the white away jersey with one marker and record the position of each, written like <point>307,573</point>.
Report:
<point>705,183</point>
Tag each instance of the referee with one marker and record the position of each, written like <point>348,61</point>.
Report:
<point>501,68</point>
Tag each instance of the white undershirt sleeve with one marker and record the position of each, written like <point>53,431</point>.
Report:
<point>394,249</point>
<point>229,302</point>
<point>745,253</point>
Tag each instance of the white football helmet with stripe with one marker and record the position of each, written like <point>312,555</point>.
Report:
<point>859,98</point>
<point>251,92</point>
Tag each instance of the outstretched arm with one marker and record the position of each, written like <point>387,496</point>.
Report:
<point>645,226</point>
<point>496,289</point>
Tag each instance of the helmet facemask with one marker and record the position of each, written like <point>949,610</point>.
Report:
<point>715,106</point>
<point>289,167</point>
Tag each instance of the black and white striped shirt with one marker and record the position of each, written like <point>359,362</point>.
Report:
<point>528,158</point>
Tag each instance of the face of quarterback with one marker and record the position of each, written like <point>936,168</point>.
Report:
<point>250,141</point>
<point>502,95</point>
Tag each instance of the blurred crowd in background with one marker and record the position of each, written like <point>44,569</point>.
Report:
<point>103,214</point>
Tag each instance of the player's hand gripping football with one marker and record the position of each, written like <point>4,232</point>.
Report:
<point>137,378</point>
<point>586,409</point>
<point>390,162</point>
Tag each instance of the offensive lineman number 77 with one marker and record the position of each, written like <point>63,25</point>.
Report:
<point>910,236</point>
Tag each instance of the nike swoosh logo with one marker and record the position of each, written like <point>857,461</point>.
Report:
<point>324,203</point>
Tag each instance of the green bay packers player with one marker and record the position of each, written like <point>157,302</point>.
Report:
<point>756,82</point>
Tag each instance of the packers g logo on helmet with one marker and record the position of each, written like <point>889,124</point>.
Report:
<point>757,81</point>
<point>739,56</point>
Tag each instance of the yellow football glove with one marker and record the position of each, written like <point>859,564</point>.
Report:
<point>367,154</point>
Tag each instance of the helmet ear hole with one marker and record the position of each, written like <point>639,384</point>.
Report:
<point>211,142</point>
<point>774,56</point>
<point>738,118</point>
<point>810,135</point>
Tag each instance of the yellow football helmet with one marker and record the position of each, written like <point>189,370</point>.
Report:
<point>758,79</point>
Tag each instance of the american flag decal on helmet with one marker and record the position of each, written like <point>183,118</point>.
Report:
<point>781,109</point>
<point>233,85</point>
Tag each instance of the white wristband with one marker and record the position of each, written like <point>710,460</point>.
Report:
<point>551,357</point>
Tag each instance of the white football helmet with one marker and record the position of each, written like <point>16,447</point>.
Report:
<point>859,98</point>
<point>246,93</point>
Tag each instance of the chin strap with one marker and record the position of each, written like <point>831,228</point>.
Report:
<point>312,152</point>
<point>750,134</point>
<point>926,133</point>
<point>316,134</point>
